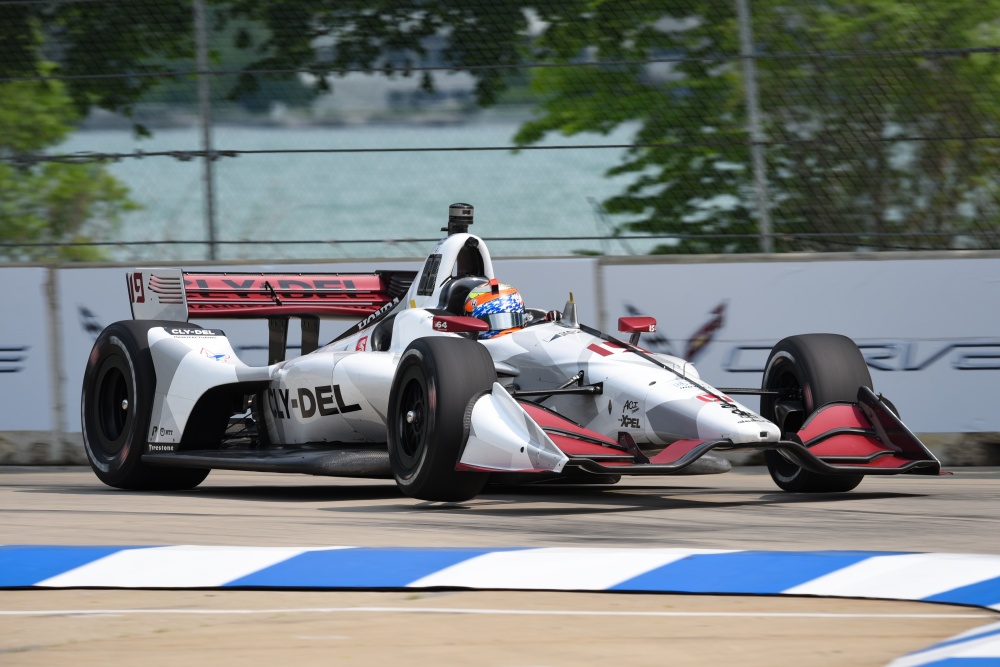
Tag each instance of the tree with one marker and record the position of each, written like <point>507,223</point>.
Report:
<point>841,171</point>
<point>115,54</point>
<point>880,115</point>
<point>50,202</point>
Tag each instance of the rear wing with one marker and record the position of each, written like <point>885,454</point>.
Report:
<point>173,294</point>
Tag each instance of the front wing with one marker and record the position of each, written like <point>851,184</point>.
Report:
<point>839,439</point>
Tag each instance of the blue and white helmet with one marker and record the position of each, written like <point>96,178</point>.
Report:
<point>499,305</point>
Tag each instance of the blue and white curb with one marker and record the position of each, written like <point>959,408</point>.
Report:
<point>975,648</point>
<point>966,579</point>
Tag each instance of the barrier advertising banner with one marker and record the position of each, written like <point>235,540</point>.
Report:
<point>929,328</point>
<point>25,369</point>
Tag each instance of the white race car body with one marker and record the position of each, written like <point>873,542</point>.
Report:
<point>560,397</point>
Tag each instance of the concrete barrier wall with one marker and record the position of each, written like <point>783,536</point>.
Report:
<point>928,324</point>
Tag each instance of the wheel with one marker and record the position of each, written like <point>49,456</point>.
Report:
<point>429,414</point>
<point>821,368</point>
<point>115,406</point>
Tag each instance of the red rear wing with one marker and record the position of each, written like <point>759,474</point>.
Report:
<point>173,294</point>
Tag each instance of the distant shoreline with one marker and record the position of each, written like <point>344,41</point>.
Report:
<point>178,117</point>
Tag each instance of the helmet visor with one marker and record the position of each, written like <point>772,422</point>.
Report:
<point>501,321</point>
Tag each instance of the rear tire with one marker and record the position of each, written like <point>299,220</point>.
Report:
<point>428,419</point>
<point>826,368</point>
<point>116,404</point>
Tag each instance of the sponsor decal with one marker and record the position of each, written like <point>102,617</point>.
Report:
<point>192,332</point>
<point>325,400</point>
<point>362,344</point>
<point>739,412</point>
<point>913,356</point>
<point>212,355</point>
<point>629,408</point>
<point>12,357</point>
<point>712,398</point>
<point>299,287</point>
<point>628,421</point>
<point>891,356</point>
<point>568,332</point>
<point>700,339</point>
<point>696,344</point>
<point>89,322</point>
<point>684,384</point>
<point>136,291</point>
<point>378,313</point>
<point>156,447</point>
<point>371,319</point>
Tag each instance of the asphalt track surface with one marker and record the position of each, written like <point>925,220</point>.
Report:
<point>739,510</point>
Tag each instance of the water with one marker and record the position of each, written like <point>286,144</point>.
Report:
<point>331,198</point>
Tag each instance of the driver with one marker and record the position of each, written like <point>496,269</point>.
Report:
<point>499,305</point>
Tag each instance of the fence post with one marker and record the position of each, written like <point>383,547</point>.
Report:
<point>205,111</point>
<point>756,133</point>
<point>56,376</point>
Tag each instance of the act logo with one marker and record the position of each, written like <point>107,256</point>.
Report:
<point>629,408</point>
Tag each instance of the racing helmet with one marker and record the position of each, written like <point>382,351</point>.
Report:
<point>498,304</point>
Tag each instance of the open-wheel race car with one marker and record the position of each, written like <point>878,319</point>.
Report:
<point>448,380</point>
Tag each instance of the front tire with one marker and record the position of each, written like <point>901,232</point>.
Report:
<point>429,415</point>
<point>116,404</point>
<point>823,368</point>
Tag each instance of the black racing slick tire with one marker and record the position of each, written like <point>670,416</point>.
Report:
<point>823,368</point>
<point>116,404</point>
<point>429,415</point>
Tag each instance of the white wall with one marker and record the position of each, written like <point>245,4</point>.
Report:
<point>25,371</point>
<point>930,328</point>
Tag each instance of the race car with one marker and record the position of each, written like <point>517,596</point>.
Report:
<point>447,382</point>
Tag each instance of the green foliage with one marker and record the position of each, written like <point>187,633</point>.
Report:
<point>390,35</point>
<point>874,132</point>
<point>839,164</point>
<point>235,45</point>
<point>50,202</point>
<point>142,39</point>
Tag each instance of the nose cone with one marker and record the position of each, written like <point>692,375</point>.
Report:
<point>705,417</point>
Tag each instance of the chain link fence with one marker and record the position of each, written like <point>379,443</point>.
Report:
<point>310,129</point>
